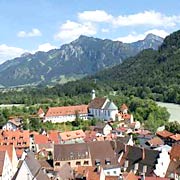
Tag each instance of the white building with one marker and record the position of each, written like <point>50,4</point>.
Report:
<point>13,124</point>
<point>66,113</point>
<point>102,108</point>
<point>6,171</point>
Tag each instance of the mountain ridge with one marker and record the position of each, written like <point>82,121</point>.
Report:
<point>83,56</point>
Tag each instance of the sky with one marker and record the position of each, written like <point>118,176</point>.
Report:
<point>41,25</point>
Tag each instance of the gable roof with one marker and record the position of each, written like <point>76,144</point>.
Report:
<point>175,137</point>
<point>64,152</point>
<point>102,151</point>
<point>40,111</point>
<point>9,149</point>
<point>110,106</point>
<point>35,167</point>
<point>141,156</point>
<point>66,110</point>
<point>2,157</point>
<point>65,172</point>
<point>97,103</point>
<point>175,151</point>
<point>40,139</point>
<point>72,135</point>
<point>155,141</point>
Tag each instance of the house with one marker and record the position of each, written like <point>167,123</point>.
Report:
<point>138,160</point>
<point>107,129</point>
<point>72,154</point>
<point>19,138</point>
<point>68,137</point>
<point>30,169</point>
<point>6,170</point>
<point>155,142</point>
<point>102,108</point>
<point>84,154</point>
<point>66,113</point>
<point>12,156</point>
<point>175,138</point>
<point>173,171</point>
<point>13,124</point>
<point>165,136</point>
<point>41,113</point>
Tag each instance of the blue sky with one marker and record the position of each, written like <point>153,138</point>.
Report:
<point>33,25</point>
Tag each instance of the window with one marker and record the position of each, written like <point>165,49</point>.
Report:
<point>86,162</point>
<point>69,163</point>
<point>78,162</point>
<point>108,113</point>
<point>57,163</point>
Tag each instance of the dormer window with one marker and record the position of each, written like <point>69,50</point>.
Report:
<point>97,162</point>
<point>107,161</point>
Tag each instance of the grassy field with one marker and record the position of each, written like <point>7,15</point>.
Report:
<point>173,109</point>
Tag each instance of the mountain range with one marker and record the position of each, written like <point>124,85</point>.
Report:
<point>84,56</point>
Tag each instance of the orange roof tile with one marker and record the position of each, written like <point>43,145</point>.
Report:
<point>175,152</point>
<point>19,153</point>
<point>72,135</point>
<point>176,137</point>
<point>130,176</point>
<point>40,139</point>
<point>9,149</point>
<point>40,111</point>
<point>66,110</point>
<point>54,136</point>
<point>156,141</point>
<point>164,133</point>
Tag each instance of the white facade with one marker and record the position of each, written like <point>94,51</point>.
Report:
<point>107,129</point>
<point>67,118</point>
<point>112,171</point>
<point>104,113</point>
<point>9,126</point>
<point>7,172</point>
<point>162,164</point>
<point>24,172</point>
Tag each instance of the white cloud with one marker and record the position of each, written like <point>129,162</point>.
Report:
<point>46,47</point>
<point>72,30</point>
<point>133,37</point>
<point>34,32</point>
<point>151,18</point>
<point>95,16</point>
<point>8,52</point>
<point>104,30</point>
<point>161,33</point>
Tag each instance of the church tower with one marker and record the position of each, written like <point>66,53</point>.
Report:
<point>93,94</point>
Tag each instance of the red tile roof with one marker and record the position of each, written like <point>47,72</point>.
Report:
<point>130,176</point>
<point>164,133</point>
<point>40,139</point>
<point>18,138</point>
<point>72,135</point>
<point>175,152</point>
<point>175,137</point>
<point>156,141</point>
<point>19,153</point>
<point>40,111</point>
<point>2,156</point>
<point>66,110</point>
<point>54,136</point>
<point>9,149</point>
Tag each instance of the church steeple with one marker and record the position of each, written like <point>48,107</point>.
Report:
<point>93,94</point>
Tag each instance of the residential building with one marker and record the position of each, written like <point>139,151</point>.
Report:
<point>30,169</point>
<point>13,124</point>
<point>19,138</point>
<point>66,113</point>
<point>70,137</point>
<point>6,170</point>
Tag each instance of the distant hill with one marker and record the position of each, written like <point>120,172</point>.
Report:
<point>84,56</point>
